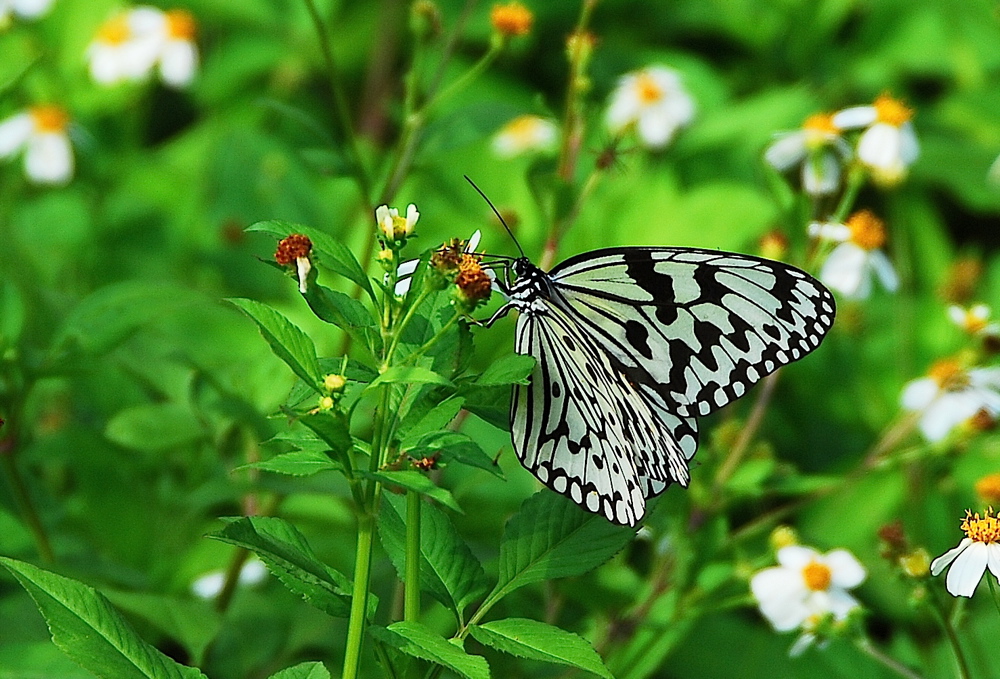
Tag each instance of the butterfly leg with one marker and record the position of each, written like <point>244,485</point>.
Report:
<point>500,313</point>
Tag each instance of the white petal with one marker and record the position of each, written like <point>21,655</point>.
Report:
<point>940,563</point>
<point>656,129</point>
<point>31,8</point>
<point>208,586</point>
<point>14,133</point>
<point>146,20</point>
<point>967,570</point>
<point>957,315</point>
<point>412,215</point>
<point>797,557</point>
<point>781,597</point>
<point>844,270</point>
<point>49,158</point>
<point>833,231</point>
<point>821,176</point>
<point>474,241</point>
<point>136,58</point>
<point>985,377</point>
<point>105,64</point>
<point>841,603</point>
<point>178,62</point>
<point>919,393</point>
<point>854,117</point>
<point>993,558</point>
<point>801,644</point>
<point>381,212</point>
<point>253,572</point>
<point>879,146</point>
<point>883,268</point>
<point>909,147</point>
<point>624,107</point>
<point>303,266</point>
<point>845,570</point>
<point>786,151</point>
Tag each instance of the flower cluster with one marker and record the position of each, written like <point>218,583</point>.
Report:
<point>456,262</point>
<point>130,45</point>
<point>952,394</point>
<point>393,228</point>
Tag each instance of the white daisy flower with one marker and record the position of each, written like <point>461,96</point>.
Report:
<point>209,586</point>
<point>392,226</point>
<point>26,9</point>
<point>525,134</point>
<point>850,266</point>
<point>404,271</point>
<point>951,395</point>
<point>41,132</point>
<point>655,101</point>
<point>131,44</point>
<point>974,320</point>
<point>818,147</point>
<point>888,146</point>
<point>806,587</point>
<point>978,550</point>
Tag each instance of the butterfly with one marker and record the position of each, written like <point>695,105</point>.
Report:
<point>632,344</point>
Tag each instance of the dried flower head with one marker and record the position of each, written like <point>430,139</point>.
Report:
<point>295,249</point>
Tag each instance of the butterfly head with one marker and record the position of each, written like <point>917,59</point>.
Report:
<point>530,282</point>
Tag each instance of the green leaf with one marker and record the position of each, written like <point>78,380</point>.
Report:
<point>90,631</point>
<point>454,447</point>
<point>448,570</point>
<point>345,312</point>
<point>511,369</point>
<point>330,252</point>
<point>539,641</point>
<point>154,426</point>
<point>420,641</point>
<point>286,553</point>
<point>415,481</point>
<point>287,341</point>
<point>194,623</point>
<point>296,463</point>
<point>410,374</point>
<point>306,670</point>
<point>331,428</point>
<point>11,313</point>
<point>550,537</point>
<point>433,420</point>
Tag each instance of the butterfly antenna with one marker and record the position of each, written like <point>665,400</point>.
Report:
<point>496,212</point>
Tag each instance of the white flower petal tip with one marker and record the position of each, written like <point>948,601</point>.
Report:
<point>653,101</point>
<point>952,395</point>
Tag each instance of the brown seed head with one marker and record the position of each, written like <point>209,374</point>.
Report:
<point>291,248</point>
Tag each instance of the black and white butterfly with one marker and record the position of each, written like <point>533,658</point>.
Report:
<point>632,344</point>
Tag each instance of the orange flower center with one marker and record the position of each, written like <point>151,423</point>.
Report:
<point>114,31</point>
<point>511,19</point>
<point>291,248</point>
<point>988,487</point>
<point>817,576</point>
<point>867,230</point>
<point>180,25</point>
<point>49,119</point>
<point>648,89</point>
<point>820,122</point>
<point>891,111</point>
<point>949,375</point>
<point>986,529</point>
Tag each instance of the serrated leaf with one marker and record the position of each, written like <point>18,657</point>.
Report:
<point>511,369</point>
<point>331,428</point>
<point>296,463</point>
<point>550,537</point>
<point>287,341</point>
<point>421,642</point>
<point>433,420</point>
<point>286,553</point>
<point>454,446</point>
<point>89,629</point>
<point>192,622</point>
<point>410,374</point>
<point>345,312</point>
<point>306,670</point>
<point>331,253</point>
<point>415,481</point>
<point>539,641</point>
<point>448,570</point>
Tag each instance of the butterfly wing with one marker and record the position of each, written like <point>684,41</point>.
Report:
<point>582,428</point>
<point>694,328</point>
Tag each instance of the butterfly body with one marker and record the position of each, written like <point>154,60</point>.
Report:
<point>630,345</point>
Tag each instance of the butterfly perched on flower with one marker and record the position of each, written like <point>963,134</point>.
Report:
<point>631,345</point>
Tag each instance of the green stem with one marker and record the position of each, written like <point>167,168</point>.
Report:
<point>887,661</point>
<point>951,634</point>
<point>466,79</point>
<point>341,111</point>
<point>398,330</point>
<point>993,591</point>
<point>359,597</point>
<point>26,507</point>
<point>433,340</point>
<point>855,180</point>
<point>411,602</point>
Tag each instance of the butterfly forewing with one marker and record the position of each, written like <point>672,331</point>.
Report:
<point>695,328</point>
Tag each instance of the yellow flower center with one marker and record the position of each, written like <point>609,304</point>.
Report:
<point>523,128</point>
<point>180,25</point>
<point>647,89</point>
<point>114,31</point>
<point>817,576</point>
<point>511,19</point>
<point>988,487</point>
<point>867,230</point>
<point>891,111</point>
<point>949,375</point>
<point>986,529</point>
<point>820,122</point>
<point>400,227</point>
<point>49,119</point>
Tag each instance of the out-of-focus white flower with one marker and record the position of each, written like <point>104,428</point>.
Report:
<point>209,586</point>
<point>888,146</point>
<point>974,320</point>
<point>131,44</point>
<point>818,147</point>
<point>979,549</point>
<point>806,589</point>
<point>850,266</point>
<point>950,395</point>
<point>26,9</point>
<point>525,134</point>
<point>41,132</point>
<point>404,271</point>
<point>655,101</point>
<point>394,227</point>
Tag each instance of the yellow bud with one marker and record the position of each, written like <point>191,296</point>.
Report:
<point>783,536</point>
<point>326,403</point>
<point>916,564</point>
<point>334,383</point>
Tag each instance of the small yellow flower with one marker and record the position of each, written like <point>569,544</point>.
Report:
<point>511,19</point>
<point>326,403</point>
<point>392,226</point>
<point>916,564</point>
<point>783,536</point>
<point>334,383</point>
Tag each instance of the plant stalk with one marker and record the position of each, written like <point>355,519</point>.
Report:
<point>411,600</point>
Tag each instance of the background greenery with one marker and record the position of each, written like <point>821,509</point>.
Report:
<point>138,391</point>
